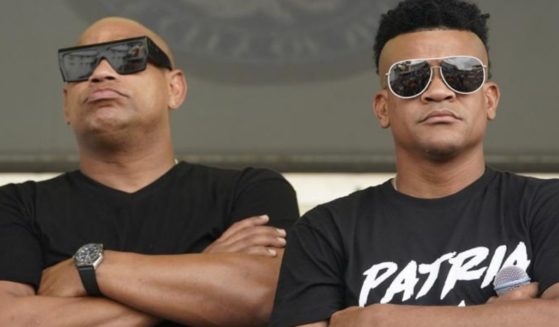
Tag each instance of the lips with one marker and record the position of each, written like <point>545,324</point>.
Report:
<point>103,94</point>
<point>440,116</point>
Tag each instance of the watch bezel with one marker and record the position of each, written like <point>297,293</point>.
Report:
<point>90,254</point>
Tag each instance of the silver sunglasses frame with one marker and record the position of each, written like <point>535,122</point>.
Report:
<point>431,75</point>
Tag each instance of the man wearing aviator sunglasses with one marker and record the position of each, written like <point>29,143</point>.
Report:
<point>423,248</point>
<point>409,78</point>
<point>135,237</point>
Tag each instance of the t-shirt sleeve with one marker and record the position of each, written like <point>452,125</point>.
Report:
<point>262,191</point>
<point>20,251</point>
<point>545,235</point>
<point>311,286</point>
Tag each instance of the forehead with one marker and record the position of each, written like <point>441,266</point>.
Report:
<point>105,31</point>
<point>431,44</point>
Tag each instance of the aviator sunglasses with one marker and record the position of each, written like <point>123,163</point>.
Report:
<point>126,56</point>
<point>410,78</point>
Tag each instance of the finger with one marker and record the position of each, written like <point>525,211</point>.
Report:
<point>243,224</point>
<point>255,231</point>
<point>532,289</point>
<point>255,240</point>
<point>523,292</point>
<point>44,287</point>
<point>261,250</point>
<point>269,239</point>
<point>44,283</point>
<point>264,240</point>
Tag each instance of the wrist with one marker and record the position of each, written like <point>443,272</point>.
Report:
<point>86,260</point>
<point>117,268</point>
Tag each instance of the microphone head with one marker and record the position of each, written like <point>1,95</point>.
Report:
<point>509,278</point>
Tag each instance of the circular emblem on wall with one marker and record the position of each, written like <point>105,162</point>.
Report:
<point>258,41</point>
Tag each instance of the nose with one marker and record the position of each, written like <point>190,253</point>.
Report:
<point>103,71</point>
<point>437,89</point>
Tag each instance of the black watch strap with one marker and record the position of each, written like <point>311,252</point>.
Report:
<point>89,281</point>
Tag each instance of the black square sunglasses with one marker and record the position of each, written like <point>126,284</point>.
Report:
<point>126,56</point>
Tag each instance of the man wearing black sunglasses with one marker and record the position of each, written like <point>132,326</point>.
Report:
<point>134,237</point>
<point>423,249</point>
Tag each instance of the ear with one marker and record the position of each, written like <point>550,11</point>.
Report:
<point>380,108</point>
<point>177,89</point>
<point>492,96</point>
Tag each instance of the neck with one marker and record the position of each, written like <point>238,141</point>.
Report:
<point>434,179</point>
<point>127,171</point>
<point>126,159</point>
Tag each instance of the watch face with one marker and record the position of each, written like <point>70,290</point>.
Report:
<point>88,254</point>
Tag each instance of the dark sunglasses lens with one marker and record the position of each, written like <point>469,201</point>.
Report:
<point>463,74</point>
<point>78,65</point>
<point>127,58</point>
<point>409,78</point>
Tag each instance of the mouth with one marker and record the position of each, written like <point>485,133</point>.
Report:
<point>440,117</point>
<point>102,95</point>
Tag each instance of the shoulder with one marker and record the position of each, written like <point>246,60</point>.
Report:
<point>519,179</point>
<point>527,186</point>
<point>225,173</point>
<point>247,192</point>
<point>30,187</point>
<point>228,176</point>
<point>534,197</point>
<point>20,199</point>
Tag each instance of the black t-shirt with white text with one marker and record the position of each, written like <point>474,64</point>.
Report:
<point>381,246</point>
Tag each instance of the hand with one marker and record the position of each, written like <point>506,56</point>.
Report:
<point>525,292</point>
<point>62,280</point>
<point>250,236</point>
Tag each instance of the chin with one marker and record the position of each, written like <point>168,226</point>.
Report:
<point>442,153</point>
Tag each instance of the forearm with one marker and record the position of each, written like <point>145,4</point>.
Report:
<point>533,312</point>
<point>195,289</point>
<point>55,311</point>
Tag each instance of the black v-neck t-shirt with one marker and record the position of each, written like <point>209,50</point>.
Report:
<point>183,211</point>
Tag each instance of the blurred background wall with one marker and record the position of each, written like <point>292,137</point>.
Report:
<point>279,83</point>
<point>285,84</point>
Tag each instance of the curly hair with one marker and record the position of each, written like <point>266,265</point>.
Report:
<point>416,15</point>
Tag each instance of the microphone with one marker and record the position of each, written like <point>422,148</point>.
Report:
<point>509,278</point>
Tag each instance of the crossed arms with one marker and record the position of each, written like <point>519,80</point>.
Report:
<point>519,307</point>
<point>232,283</point>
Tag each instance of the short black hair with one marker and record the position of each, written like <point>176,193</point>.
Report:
<point>416,15</point>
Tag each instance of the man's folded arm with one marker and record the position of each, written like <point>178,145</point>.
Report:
<point>232,283</point>
<point>233,289</point>
<point>20,306</point>
<point>543,311</point>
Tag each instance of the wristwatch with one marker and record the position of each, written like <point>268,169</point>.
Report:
<point>87,259</point>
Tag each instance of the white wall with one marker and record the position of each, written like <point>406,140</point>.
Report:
<point>312,188</point>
